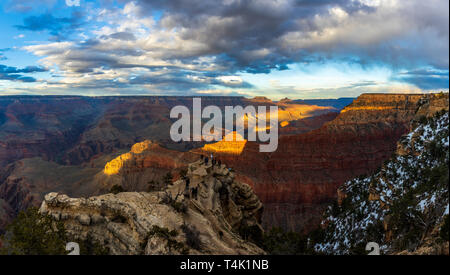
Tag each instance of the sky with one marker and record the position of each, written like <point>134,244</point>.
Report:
<point>275,48</point>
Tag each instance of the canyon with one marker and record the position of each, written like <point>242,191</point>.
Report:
<point>299,181</point>
<point>83,151</point>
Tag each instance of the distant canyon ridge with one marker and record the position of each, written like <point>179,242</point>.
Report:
<point>81,146</point>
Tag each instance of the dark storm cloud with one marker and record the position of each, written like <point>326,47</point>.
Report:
<point>16,74</point>
<point>238,29</point>
<point>425,72</point>
<point>429,83</point>
<point>127,36</point>
<point>186,80</point>
<point>58,27</point>
<point>251,8</point>
<point>361,84</point>
<point>426,79</point>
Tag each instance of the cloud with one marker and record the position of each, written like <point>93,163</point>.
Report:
<point>2,53</point>
<point>127,36</point>
<point>426,79</point>
<point>16,74</point>
<point>351,90</point>
<point>58,27</point>
<point>71,3</point>
<point>259,36</point>
<point>26,6</point>
<point>201,45</point>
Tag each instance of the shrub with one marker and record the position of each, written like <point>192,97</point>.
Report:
<point>279,242</point>
<point>154,186</point>
<point>91,247</point>
<point>423,120</point>
<point>116,189</point>
<point>34,234</point>
<point>192,236</point>
<point>183,173</point>
<point>169,236</point>
<point>167,179</point>
<point>180,207</point>
<point>444,231</point>
<point>162,232</point>
<point>252,233</point>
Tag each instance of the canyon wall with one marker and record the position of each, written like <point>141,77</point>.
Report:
<point>298,181</point>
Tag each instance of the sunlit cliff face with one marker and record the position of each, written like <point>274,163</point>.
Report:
<point>234,147</point>
<point>114,166</point>
<point>366,108</point>
<point>288,113</point>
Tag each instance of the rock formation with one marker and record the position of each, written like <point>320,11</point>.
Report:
<point>212,214</point>
<point>404,205</point>
<point>298,181</point>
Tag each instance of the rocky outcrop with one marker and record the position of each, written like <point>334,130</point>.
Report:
<point>404,206</point>
<point>213,214</point>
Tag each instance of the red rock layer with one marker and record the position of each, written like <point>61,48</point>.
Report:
<point>300,179</point>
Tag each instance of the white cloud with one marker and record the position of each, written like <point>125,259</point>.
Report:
<point>71,3</point>
<point>128,44</point>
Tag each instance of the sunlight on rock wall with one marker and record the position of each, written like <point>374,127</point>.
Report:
<point>113,167</point>
<point>234,147</point>
<point>368,108</point>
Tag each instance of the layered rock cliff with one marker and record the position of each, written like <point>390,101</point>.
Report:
<point>212,214</point>
<point>298,181</point>
<point>403,206</point>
